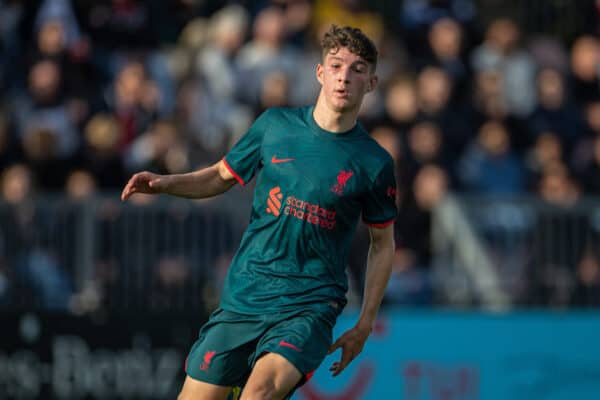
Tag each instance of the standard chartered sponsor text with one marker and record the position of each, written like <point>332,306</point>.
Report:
<point>311,213</point>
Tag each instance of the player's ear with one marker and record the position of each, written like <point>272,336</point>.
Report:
<point>319,73</point>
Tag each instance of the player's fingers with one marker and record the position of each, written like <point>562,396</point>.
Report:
<point>348,354</point>
<point>335,345</point>
<point>130,187</point>
<point>126,191</point>
<point>140,182</point>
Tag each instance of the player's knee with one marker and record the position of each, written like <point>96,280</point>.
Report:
<point>261,391</point>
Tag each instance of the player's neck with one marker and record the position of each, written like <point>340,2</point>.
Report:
<point>333,121</point>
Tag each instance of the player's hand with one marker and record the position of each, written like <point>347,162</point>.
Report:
<point>352,343</point>
<point>143,182</point>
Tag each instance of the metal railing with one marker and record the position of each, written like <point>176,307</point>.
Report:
<point>171,254</point>
<point>101,254</point>
<point>521,251</point>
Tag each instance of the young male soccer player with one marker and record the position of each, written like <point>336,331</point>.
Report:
<point>317,172</point>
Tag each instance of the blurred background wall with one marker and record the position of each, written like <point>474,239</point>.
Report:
<point>490,109</point>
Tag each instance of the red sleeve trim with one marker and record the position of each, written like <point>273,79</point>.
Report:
<point>236,176</point>
<point>383,224</point>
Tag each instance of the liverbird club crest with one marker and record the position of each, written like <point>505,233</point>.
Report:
<point>342,179</point>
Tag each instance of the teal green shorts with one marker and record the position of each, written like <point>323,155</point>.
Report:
<point>230,343</point>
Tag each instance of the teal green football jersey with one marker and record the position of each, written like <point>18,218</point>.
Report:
<point>312,187</point>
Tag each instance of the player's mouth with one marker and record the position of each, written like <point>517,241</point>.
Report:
<point>343,93</point>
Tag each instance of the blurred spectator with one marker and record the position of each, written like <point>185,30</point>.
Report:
<point>80,185</point>
<point>170,282</point>
<point>424,145</point>
<point>134,99</point>
<point>266,52</point>
<point>226,35</point>
<point>555,112</point>
<point>416,16</point>
<point>17,184</point>
<point>101,153</point>
<point>548,52</point>
<point>553,257</point>
<point>590,178</point>
<point>557,187</point>
<point>546,152</point>
<point>410,282</point>
<point>211,127</point>
<point>583,150</point>
<point>501,51</point>
<point>45,107</point>
<point>38,272</point>
<point>434,92</point>
<point>298,14</point>
<point>429,189</point>
<point>389,139</point>
<point>159,149</point>
<point>45,279</point>
<point>16,213</point>
<point>57,37</point>
<point>488,95</point>
<point>587,289</point>
<point>61,13</point>
<point>400,105</point>
<point>274,91</point>
<point>347,12</point>
<point>434,88</point>
<point>445,41</point>
<point>489,166</point>
<point>585,61</point>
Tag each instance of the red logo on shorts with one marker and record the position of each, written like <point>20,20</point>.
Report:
<point>342,179</point>
<point>208,356</point>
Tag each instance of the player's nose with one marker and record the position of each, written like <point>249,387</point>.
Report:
<point>344,75</point>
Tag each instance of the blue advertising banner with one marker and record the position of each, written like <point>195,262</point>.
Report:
<point>468,356</point>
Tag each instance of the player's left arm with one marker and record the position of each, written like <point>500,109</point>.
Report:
<point>379,267</point>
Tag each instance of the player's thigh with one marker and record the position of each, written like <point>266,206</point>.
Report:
<point>225,347</point>
<point>302,339</point>
<point>273,377</point>
<point>195,390</point>
<point>288,353</point>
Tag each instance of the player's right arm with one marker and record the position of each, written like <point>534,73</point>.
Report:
<point>239,165</point>
<point>206,182</point>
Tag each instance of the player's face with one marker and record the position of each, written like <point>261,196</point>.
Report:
<point>345,78</point>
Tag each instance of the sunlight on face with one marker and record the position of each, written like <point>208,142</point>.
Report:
<point>345,78</point>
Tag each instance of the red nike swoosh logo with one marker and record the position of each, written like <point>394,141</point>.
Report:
<point>291,346</point>
<point>276,160</point>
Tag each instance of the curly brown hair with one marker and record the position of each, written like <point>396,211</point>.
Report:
<point>353,39</point>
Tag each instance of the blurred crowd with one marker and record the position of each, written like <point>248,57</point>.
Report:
<point>92,91</point>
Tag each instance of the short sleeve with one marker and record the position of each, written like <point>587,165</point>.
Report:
<point>379,203</point>
<point>244,158</point>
